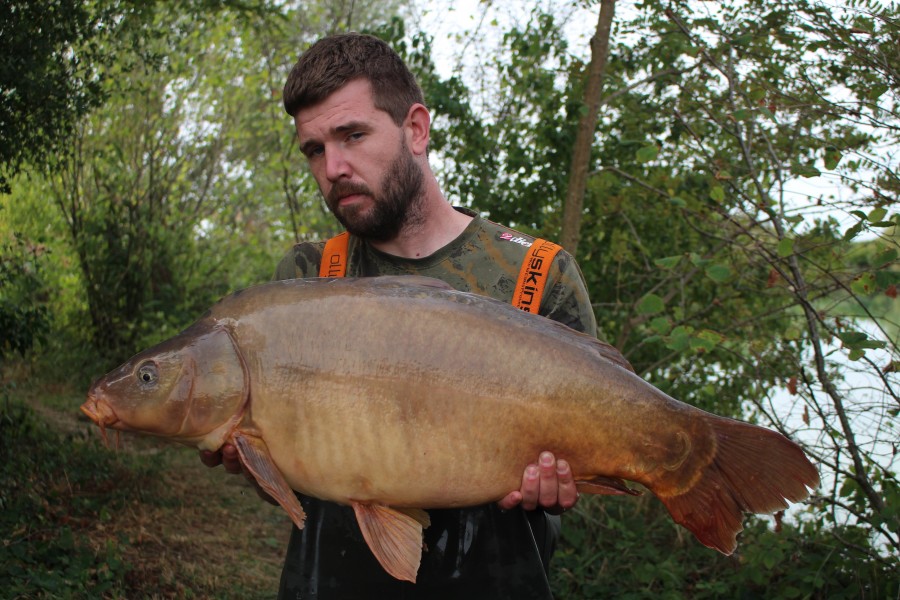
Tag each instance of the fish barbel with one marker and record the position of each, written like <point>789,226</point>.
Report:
<point>369,392</point>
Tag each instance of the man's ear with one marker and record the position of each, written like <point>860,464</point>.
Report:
<point>418,128</point>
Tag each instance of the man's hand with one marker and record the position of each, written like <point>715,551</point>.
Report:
<point>229,458</point>
<point>548,484</point>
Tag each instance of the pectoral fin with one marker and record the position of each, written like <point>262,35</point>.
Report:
<point>611,486</point>
<point>256,458</point>
<point>394,535</point>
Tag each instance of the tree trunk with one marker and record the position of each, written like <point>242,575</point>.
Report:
<point>584,137</point>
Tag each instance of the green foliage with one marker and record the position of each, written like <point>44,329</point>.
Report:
<point>51,487</point>
<point>44,88</point>
<point>630,548</point>
<point>23,309</point>
<point>172,193</point>
<point>504,158</point>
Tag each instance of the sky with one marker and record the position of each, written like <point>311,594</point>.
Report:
<point>452,24</point>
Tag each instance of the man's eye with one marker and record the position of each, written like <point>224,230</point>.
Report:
<point>353,137</point>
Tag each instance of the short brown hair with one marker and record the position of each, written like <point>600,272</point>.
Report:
<point>334,61</point>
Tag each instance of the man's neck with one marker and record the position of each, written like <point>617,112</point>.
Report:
<point>438,225</point>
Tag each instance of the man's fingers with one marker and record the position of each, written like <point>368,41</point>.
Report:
<point>531,487</point>
<point>210,458</point>
<point>512,500</point>
<point>548,493</point>
<point>549,484</point>
<point>231,460</point>
<point>227,456</point>
<point>568,492</point>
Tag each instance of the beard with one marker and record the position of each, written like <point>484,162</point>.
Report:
<point>397,204</point>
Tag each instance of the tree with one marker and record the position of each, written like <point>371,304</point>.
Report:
<point>584,140</point>
<point>44,88</point>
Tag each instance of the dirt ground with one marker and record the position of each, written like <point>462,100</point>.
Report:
<point>195,533</point>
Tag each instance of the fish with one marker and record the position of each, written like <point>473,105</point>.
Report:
<point>369,392</point>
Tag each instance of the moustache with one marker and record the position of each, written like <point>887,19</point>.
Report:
<point>346,188</point>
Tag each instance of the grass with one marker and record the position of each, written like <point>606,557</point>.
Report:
<point>79,520</point>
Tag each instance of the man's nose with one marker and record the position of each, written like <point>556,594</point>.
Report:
<point>336,165</point>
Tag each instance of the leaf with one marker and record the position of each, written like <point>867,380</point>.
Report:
<point>697,261</point>
<point>667,262</point>
<point>805,170</point>
<point>680,338</point>
<point>718,273</point>
<point>757,94</point>
<point>701,345</point>
<point>877,91</point>
<point>864,285</point>
<point>876,215</point>
<point>661,325</point>
<point>848,488</point>
<point>717,193</point>
<point>850,338</point>
<point>853,231</point>
<point>650,305</point>
<point>785,247</point>
<point>710,339</point>
<point>857,340</point>
<point>832,158</point>
<point>647,153</point>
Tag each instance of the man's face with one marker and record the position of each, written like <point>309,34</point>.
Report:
<point>359,157</point>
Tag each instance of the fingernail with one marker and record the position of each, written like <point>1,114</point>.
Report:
<point>531,472</point>
<point>562,466</point>
<point>546,459</point>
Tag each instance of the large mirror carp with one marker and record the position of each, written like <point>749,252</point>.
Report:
<point>399,394</point>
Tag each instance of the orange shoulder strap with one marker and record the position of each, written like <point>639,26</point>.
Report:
<point>529,288</point>
<point>533,275</point>
<point>334,257</point>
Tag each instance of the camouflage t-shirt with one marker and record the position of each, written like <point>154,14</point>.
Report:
<point>477,552</point>
<point>484,259</point>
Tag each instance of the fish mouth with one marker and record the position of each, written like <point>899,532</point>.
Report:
<point>101,413</point>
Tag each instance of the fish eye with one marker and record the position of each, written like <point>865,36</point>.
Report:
<point>147,373</point>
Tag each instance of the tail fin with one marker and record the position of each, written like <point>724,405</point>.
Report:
<point>754,470</point>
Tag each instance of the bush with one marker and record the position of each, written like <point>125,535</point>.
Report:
<point>53,488</point>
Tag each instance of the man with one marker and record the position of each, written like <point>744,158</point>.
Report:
<point>363,126</point>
